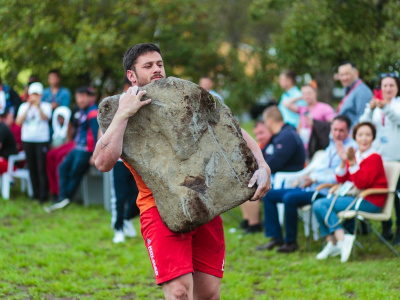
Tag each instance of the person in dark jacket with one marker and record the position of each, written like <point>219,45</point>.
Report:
<point>283,153</point>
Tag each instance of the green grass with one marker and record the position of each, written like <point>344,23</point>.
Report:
<point>69,255</point>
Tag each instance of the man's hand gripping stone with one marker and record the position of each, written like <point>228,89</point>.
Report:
<point>130,102</point>
<point>263,179</point>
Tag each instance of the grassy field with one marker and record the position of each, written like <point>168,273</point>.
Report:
<point>69,255</point>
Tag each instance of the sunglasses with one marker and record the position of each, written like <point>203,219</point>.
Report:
<point>394,74</point>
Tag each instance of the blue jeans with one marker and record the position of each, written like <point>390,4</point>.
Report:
<point>71,172</point>
<point>321,207</point>
<point>292,200</point>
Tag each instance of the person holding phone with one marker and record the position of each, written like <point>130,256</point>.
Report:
<point>385,115</point>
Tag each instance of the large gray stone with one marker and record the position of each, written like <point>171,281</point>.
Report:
<point>189,150</point>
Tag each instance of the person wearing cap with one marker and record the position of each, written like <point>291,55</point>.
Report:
<point>77,162</point>
<point>34,117</point>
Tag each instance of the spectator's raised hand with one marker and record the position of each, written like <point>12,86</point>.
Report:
<point>372,103</point>
<point>341,151</point>
<point>351,155</point>
<point>382,103</point>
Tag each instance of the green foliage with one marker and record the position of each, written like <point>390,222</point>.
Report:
<point>70,255</point>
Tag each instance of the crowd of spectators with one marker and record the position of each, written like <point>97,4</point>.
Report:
<point>363,132</point>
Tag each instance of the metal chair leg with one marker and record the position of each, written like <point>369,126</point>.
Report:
<point>385,241</point>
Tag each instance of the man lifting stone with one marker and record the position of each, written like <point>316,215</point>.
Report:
<point>186,265</point>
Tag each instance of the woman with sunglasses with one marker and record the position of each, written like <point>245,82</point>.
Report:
<point>385,115</point>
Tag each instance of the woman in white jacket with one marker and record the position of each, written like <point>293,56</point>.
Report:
<point>385,115</point>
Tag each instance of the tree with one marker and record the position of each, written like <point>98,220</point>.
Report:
<point>86,39</point>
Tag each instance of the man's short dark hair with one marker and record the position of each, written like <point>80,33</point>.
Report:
<point>135,51</point>
<point>54,71</point>
<point>290,74</point>
<point>348,62</point>
<point>343,118</point>
<point>361,124</point>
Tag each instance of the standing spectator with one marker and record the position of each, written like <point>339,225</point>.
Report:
<point>385,115</point>
<point>34,117</point>
<point>364,169</point>
<point>208,84</point>
<point>302,195</point>
<point>283,153</point>
<point>56,94</point>
<point>9,99</point>
<point>123,200</point>
<point>77,162</point>
<point>8,145</point>
<point>287,81</point>
<point>358,94</point>
<point>314,110</point>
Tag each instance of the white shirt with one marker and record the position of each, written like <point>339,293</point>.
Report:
<point>34,129</point>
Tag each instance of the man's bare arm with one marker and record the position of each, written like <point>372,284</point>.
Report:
<point>263,175</point>
<point>109,146</point>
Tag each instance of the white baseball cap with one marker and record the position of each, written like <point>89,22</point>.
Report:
<point>35,88</point>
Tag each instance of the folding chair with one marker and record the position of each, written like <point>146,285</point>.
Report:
<point>392,170</point>
<point>13,172</point>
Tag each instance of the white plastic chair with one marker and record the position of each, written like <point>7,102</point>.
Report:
<point>286,180</point>
<point>392,171</point>
<point>22,174</point>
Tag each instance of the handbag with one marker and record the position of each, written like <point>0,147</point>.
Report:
<point>346,189</point>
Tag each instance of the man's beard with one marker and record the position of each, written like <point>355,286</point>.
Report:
<point>142,82</point>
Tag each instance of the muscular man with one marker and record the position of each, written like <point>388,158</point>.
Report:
<point>186,265</point>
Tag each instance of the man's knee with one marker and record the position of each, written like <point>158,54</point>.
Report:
<point>178,288</point>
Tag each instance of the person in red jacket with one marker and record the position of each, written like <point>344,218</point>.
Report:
<point>363,169</point>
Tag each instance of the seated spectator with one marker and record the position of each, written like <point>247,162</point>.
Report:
<point>287,81</point>
<point>56,94</point>
<point>208,84</point>
<point>385,115</point>
<point>314,110</point>
<point>9,99</point>
<point>77,162</point>
<point>301,195</point>
<point>8,119</point>
<point>60,122</point>
<point>56,155</point>
<point>283,153</point>
<point>364,169</point>
<point>8,145</point>
<point>262,136</point>
<point>34,117</point>
<point>357,92</point>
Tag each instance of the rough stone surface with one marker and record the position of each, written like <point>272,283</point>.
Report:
<point>189,150</point>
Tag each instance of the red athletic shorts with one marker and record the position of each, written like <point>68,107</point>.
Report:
<point>175,254</point>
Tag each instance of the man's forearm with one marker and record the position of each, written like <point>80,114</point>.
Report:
<point>109,146</point>
<point>255,149</point>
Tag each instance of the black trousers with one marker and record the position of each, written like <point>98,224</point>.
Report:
<point>36,159</point>
<point>126,193</point>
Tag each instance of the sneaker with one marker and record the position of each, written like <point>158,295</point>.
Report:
<point>346,246</point>
<point>129,229</point>
<point>119,236</point>
<point>253,229</point>
<point>329,250</point>
<point>57,205</point>
<point>244,224</point>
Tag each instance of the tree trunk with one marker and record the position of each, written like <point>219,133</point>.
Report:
<point>325,86</point>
